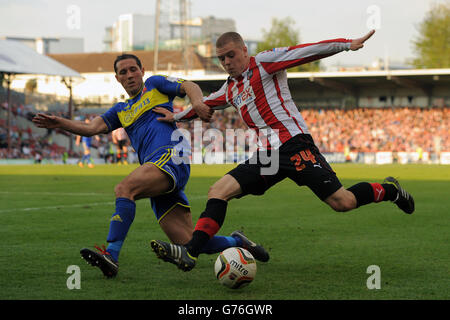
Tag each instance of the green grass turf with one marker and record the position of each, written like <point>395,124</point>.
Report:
<point>49,212</point>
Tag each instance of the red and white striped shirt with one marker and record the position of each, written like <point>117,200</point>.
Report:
<point>261,94</point>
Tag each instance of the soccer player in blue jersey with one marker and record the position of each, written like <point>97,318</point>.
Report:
<point>160,176</point>
<point>86,143</point>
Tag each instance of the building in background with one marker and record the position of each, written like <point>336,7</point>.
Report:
<point>137,32</point>
<point>212,27</point>
<point>130,32</point>
<point>52,45</point>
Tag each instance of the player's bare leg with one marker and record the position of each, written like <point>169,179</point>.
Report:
<point>342,200</point>
<point>177,225</point>
<point>226,188</point>
<point>185,257</point>
<point>364,193</point>
<point>145,181</point>
<point>179,255</point>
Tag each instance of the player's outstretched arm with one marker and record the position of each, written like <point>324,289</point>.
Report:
<point>195,94</point>
<point>283,58</point>
<point>96,126</point>
<point>357,44</point>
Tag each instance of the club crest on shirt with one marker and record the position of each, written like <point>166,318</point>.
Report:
<point>245,97</point>
<point>174,79</point>
<point>129,114</point>
<point>278,49</point>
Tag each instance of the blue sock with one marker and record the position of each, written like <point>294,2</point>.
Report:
<point>238,241</point>
<point>219,243</point>
<point>120,224</point>
<point>114,249</point>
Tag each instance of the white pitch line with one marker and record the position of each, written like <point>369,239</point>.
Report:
<point>57,193</point>
<point>58,207</point>
<point>73,205</point>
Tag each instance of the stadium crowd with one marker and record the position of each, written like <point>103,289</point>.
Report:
<point>363,129</point>
<point>376,129</point>
<point>334,130</point>
<point>28,145</point>
<point>25,144</point>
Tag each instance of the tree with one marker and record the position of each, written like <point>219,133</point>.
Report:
<point>432,47</point>
<point>283,34</point>
<point>30,87</point>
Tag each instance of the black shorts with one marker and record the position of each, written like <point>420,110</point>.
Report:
<point>121,144</point>
<point>298,159</point>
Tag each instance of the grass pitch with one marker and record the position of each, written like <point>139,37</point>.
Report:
<point>49,212</point>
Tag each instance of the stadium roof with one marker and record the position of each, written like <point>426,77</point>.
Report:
<point>104,61</point>
<point>16,57</point>
<point>350,82</point>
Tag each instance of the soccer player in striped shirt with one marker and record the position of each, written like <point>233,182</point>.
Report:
<point>257,88</point>
<point>161,176</point>
<point>120,139</point>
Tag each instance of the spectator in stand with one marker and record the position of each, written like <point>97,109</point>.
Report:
<point>87,144</point>
<point>363,129</point>
<point>120,139</point>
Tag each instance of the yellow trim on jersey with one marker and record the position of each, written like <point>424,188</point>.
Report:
<point>172,79</point>
<point>148,100</point>
<point>173,179</point>
<point>170,209</point>
<point>163,160</point>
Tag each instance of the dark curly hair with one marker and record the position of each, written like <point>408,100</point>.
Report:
<point>127,56</point>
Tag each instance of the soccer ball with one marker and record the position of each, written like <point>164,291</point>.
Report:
<point>235,268</point>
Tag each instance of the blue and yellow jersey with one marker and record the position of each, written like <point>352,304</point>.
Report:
<point>146,133</point>
<point>86,140</point>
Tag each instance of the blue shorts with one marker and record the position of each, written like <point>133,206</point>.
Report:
<point>179,173</point>
<point>87,145</point>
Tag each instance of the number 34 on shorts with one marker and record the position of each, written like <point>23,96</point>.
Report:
<point>302,156</point>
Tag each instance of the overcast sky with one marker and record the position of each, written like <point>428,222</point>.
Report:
<point>396,21</point>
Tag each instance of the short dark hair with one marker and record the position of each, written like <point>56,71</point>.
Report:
<point>229,37</point>
<point>127,56</point>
